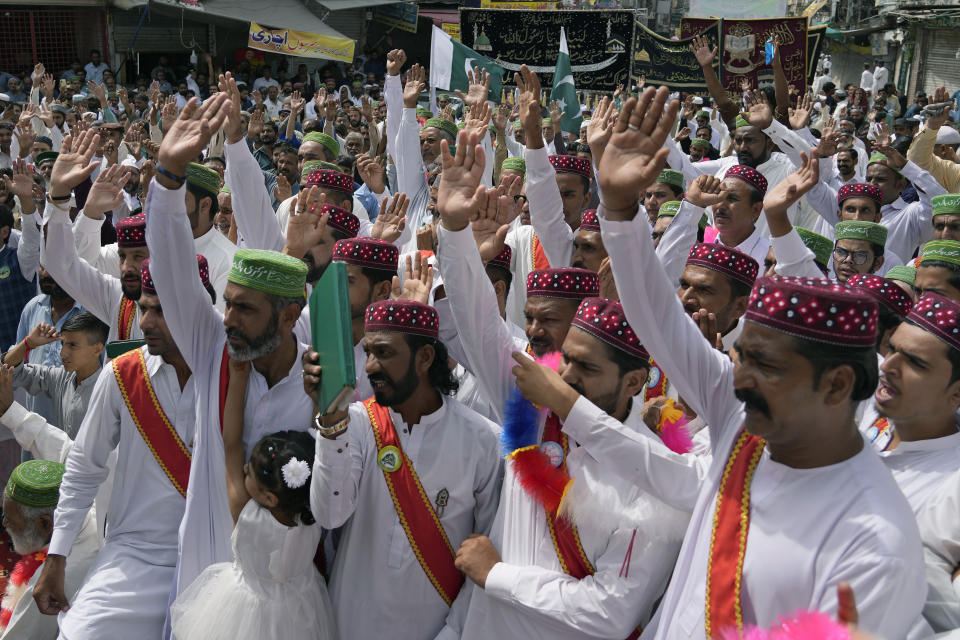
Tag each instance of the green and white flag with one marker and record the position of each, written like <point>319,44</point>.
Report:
<point>450,61</point>
<point>563,90</point>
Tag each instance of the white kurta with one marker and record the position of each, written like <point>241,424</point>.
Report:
<point>940,529</point>
<point>125,594</point>
<point>198,331</point>
<point>528,595</point>
<point>99,293</point>
<point>865,535</point>
<point>756,246</point>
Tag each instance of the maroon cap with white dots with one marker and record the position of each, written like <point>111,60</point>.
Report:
<point>132,231</point>
<point>728,261</point>
<point>604,319</point>
<point>814,308</point>
<point>938,315</point>
<point>367,252</point>
<point>330,179</point>
<point>147,281</point>
<point>403,316</point>
<point>589,220</point>
<point>860,190</point>
<point>502,259</point>
<point>571,164</point>
<point>886,292</point>
<point>341,220</point>
<point>749,175</point>
<point>569,283</point>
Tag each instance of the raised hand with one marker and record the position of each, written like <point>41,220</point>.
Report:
<point>25,137</point>
<point>478,87</point>
<point>829,140</point>
<point>636,152</point>
<point>745,84</point>
<point>307,225</point>
<point>331,107</point>
<point>297,103</point>
<point>395,60</point>
<point>46,86</point>
<point>416,83</point>
<point>501,118</point>
<point>417,282</point>
<point>883,135</point>
<point>254,126</point>
<point>789,190</point>
<point>600,128</point>
<point>371,173</point>
<point>705,191</point>
<point>21,185</point>
<point>491,223</point>
<point>555,113</point>
<point>38,71</point>
<point>106,194</point>
<point>191,132</point>
<point>134,141</point>
<point>642,82</point>
<point>760,112</point>
<point>366,108</point>
<point>701,49</point>
<point>282,190</point>
<point>528,98</point>
<point>460,194</point>
<point>895,159</point>
<point>479,119</point>
<point>257,98</point>
<point>73,165</point>
<point>800,117</point>
<point>392,220</point>
<point>41,334</point>
<point>618,91</point>
<point>683,134</point>
<point>98,91</point>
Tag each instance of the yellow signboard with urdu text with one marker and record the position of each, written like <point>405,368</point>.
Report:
<point>300,43</point>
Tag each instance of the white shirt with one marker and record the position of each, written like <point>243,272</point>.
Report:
<point>99,293</point>
<point>800,525</point>
<point>198,330</point>
<point>866,80</point>
<point>376,579</point>
<point>881,76</point>
<point>262,83</point>
<point>527,594</point>
<point>756,245</point>
<point>95,72</point>
<point>940,528</point>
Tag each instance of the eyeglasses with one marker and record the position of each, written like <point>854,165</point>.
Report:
<point>859,257</point>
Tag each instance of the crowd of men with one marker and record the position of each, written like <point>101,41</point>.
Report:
<point>692,371</point>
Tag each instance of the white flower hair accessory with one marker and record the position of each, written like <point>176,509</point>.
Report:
<point>295,473</point>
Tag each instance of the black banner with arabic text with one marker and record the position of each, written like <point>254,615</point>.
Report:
<point>600,43</point>
<point>670,63</point>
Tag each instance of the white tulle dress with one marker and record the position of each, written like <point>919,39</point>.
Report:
<point>271,591</point>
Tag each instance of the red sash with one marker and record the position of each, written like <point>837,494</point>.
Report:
<point>728,542</point>
<point>417,515</point>
<point>128,311</point>
<point>152,423</point>
<point>656,382</point>
<point>566,539</point>
<point>540,261</point>
<point>224,381</point>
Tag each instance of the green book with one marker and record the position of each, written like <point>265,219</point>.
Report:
<point>332,334</point>
<point>120,347</point>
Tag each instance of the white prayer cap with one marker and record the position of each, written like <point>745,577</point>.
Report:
<point>4,97</point>
<point>698,100</point>
<point>129,161</point>
<point>948,135</point>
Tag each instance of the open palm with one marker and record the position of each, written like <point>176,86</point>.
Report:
<point>73,166</point>
<point>460,195</point>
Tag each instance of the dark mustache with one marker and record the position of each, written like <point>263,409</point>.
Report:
<point>753,401</point>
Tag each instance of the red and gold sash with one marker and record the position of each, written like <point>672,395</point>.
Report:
<point>128,311</point>
<point>728,542</point>
<point>419,519</point>
<point>539,256</point>
<point>656,382</point>
<point>152,423</point>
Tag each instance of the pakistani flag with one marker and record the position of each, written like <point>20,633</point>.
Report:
<point>450,61</point>
<point>563,90</point>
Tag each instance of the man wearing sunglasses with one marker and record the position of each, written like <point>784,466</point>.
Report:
<point>858,249</point>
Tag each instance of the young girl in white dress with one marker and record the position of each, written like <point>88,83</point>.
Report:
<point>271,591</point>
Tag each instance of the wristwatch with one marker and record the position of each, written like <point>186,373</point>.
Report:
<point>332,432</point>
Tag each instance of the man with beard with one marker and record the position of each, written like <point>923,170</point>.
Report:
<point>396,544</point>
<point>44,164</point>
<point>203,189</point>
<point>846,163</point>
<point>946,216</point>
<point>142,406</point>
<point>68,386</point>
<point>859,248</point>
<point>594,596</point>
<point>783,437</point>
<point>261,143</point>
<point>29,501</point>
<point>752,148</point>
<point>53,306</point>
<point>131,188</point>
<point>265,295</point>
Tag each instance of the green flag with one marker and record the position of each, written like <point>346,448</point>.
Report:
<point>563,90</point>
<point>450,60</point>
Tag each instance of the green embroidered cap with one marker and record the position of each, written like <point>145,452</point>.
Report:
<point>330,143</point>
<point>514,164</point>
<point>741,122</point>
<point>36,483</point>
<point>821,247</point>
<point>669,209</point>
<point>942,205</point>
<point>203,178</point>
<point>225,189</point>
<point>945,250</point>
<point>423,112</point>
<point>879,158</point>
<point>317,165</point>
<point>444,125</point>
<point>903,273</point>
<point>45,157</point>
<point>861,230</point>
<point>671,177</point>
<point>547,121</point>
<point>703,113</point>
<point>269,271</point>
<point>700,142</point>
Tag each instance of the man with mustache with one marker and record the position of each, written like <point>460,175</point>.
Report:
<point>264,295</point>
<point>392,556</point>
<point>946,216</point>
<point>202,204</point>
<point>29,501</point>
<point>142,407</point>
<point>521,569</point>
<point>783,437</point>
<point>859,248</point>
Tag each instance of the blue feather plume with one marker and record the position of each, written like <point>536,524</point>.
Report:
<point>520,423</point>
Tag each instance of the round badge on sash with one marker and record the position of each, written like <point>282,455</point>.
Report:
<point>554,452</point>
<point>389,458</point>
<point>654,377</point>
